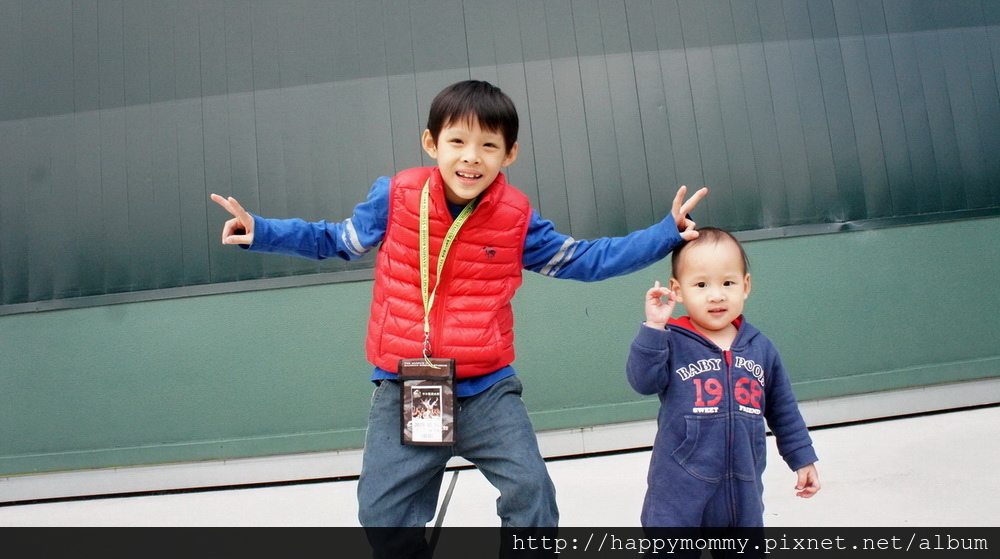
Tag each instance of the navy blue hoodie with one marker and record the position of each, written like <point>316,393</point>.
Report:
<point>711,424</point>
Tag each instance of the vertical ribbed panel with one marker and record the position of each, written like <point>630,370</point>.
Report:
<point>118,118</point>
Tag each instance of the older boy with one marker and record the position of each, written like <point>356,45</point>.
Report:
<point>478,233</point>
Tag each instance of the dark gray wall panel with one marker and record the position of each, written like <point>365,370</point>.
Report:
<point>119,118</point>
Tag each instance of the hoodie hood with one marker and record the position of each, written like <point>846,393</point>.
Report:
<point>744,331</point>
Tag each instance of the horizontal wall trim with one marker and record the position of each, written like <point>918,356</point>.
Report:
<point>367,274</point>
<point>559,443</point>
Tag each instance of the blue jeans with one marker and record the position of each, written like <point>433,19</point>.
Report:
<point>399,483</point>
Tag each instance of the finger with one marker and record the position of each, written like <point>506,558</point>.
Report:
<point>690,235</point>
<point>240,212</point>
<point>223,202</point>
<point>807,492</point>
<point>237,240</point>
<point>236,228</point>
<point>232,206</point>
<point>679,198</point>
<point>229,228</point>
<point>686,207</point>
<point>656,294</point>
<point>658,288</point>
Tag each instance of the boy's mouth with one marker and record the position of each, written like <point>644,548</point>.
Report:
<point>470,176</point>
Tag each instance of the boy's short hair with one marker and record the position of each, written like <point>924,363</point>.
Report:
<point>712,235</point>
<point>479,100</point>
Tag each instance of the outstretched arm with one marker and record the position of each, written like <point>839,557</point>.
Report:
<point>550,253</point>
<point>348,240</point>
<point>239,229</point>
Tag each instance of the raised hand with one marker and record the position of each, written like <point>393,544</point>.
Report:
<point>658,311</point>
<point>239,229</point>
<point>681,209</point>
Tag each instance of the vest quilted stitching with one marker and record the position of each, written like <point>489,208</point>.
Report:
<point>472,320</point>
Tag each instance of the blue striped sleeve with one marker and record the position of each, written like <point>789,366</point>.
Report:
<point>550,253</point>
<point>348,240</point>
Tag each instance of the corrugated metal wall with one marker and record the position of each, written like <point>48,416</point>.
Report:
<point>118,118</point>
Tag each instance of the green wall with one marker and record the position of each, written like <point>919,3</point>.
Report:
<point>281,371</point>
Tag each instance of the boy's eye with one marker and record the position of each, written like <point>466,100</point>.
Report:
<point>700,284</point>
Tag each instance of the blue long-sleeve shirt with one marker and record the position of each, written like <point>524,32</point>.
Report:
<point>546,251</point>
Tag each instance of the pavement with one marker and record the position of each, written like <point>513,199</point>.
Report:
<point>934,469</point>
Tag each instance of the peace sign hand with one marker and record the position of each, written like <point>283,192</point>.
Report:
<point>239,229</point>
<point>681,209</point>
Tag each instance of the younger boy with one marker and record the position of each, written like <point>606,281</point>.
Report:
<point>718,379</point>
<point>456,302</point>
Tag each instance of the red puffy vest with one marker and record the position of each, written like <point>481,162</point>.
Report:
<point>472,320</point>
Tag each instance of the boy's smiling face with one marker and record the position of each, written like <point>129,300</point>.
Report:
<point>469,157</point>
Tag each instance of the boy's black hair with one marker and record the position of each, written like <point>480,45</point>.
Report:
<point>712,235</point>
<point>479,100</point>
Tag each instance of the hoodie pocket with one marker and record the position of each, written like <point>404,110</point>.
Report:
<point>703,451</point>
<point>749,447</point>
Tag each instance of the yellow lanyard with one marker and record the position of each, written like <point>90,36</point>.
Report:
<point>428,295</point>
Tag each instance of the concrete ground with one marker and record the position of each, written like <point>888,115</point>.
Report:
<point>928,470</point>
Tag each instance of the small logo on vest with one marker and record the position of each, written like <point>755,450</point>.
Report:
<point>490,252</point>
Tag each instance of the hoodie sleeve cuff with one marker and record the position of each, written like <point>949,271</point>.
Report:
<point>801,458</point>
<point>653,338</point>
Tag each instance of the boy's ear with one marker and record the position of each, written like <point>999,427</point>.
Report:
<point>428,143</point>
<point>675,287</point>
<point>511,156</point>
<point>746,288</point>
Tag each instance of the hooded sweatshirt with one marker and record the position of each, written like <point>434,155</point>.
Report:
<point>713,408</point>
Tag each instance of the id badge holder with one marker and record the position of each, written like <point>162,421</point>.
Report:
<point>428,401</point>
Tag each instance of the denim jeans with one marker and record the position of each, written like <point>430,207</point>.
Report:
<point>399,483</point>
